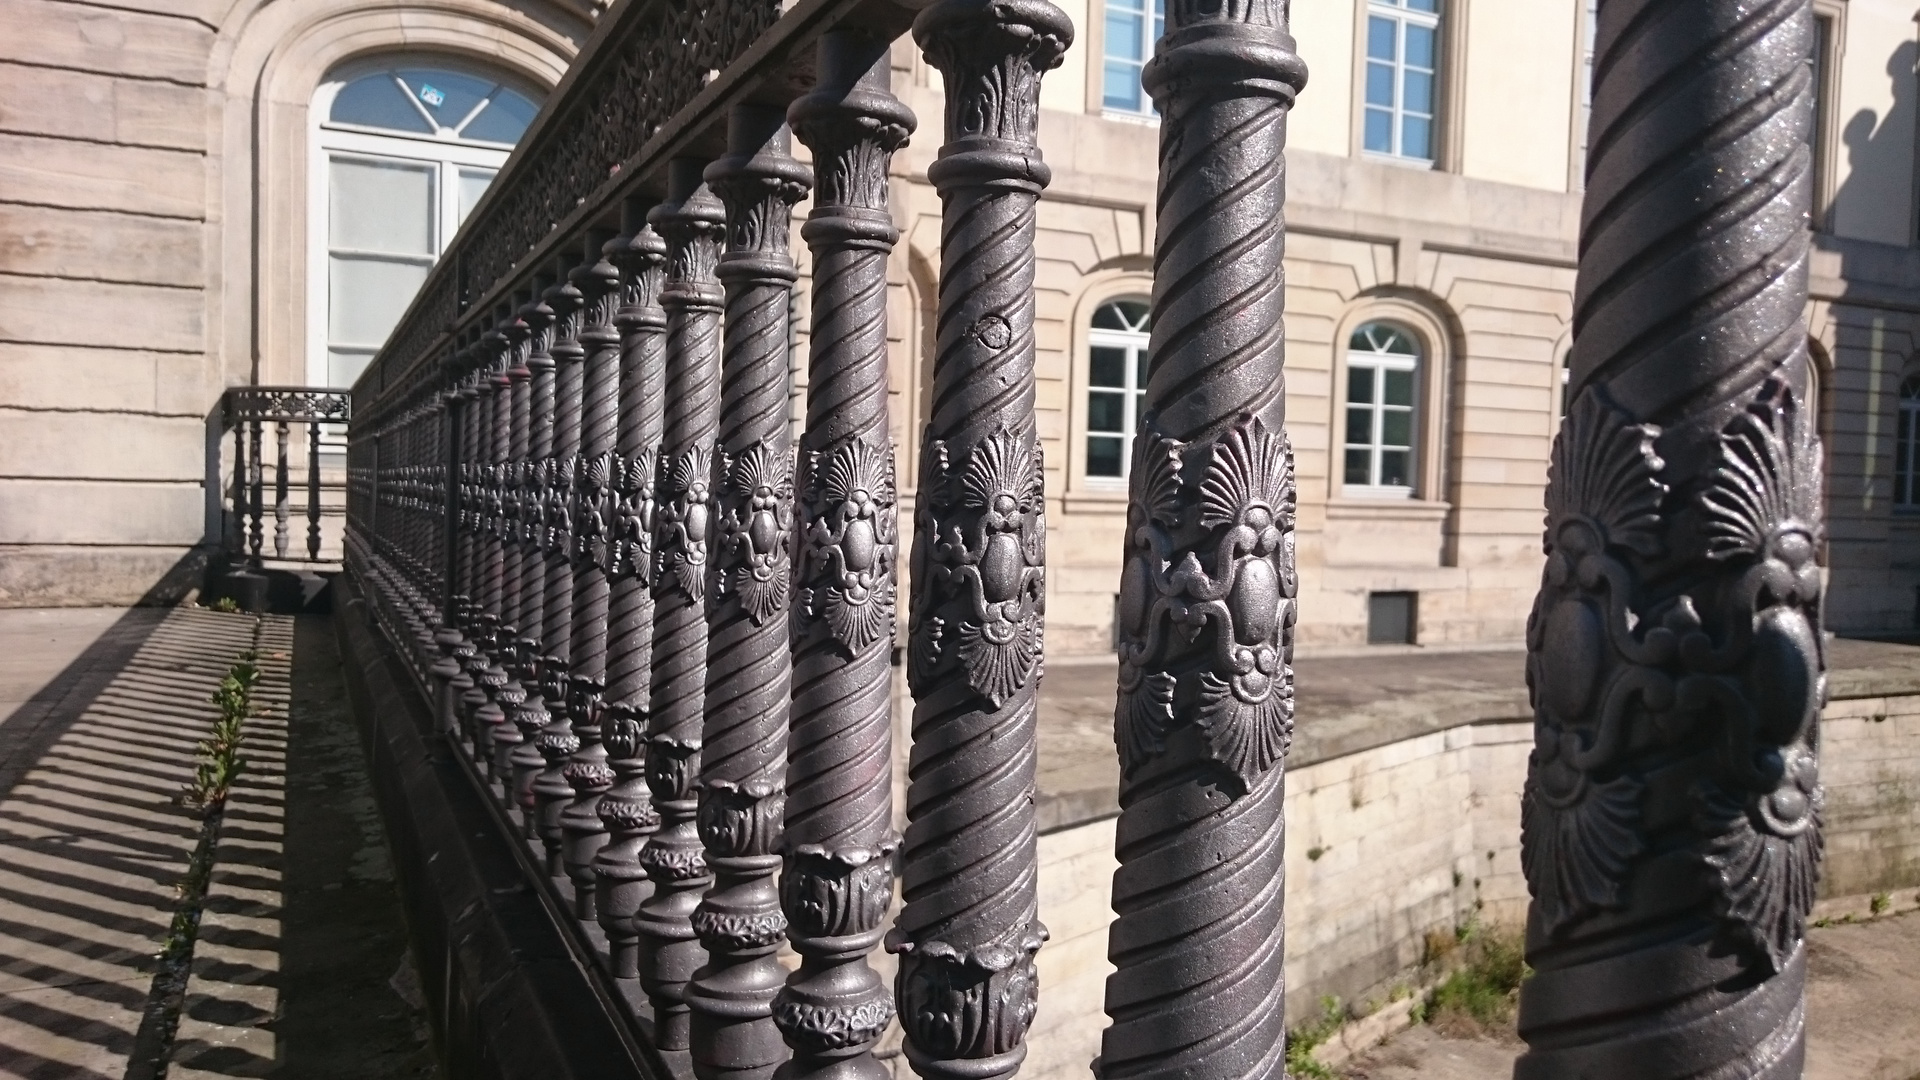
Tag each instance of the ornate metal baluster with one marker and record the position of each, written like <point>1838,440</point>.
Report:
<point>1671,821</point>
<point>557,741</point>
<point>493,640</point>
<point>1206,598</point>
<point>598,282</point>
<point>969,929</point>
<point>840,843</point>
<point>236,524</point>
<point>530,434</point>
<point>749,668</point>
<point>627,809</point>
<point>280,507</point>
<point>254,503</point>
<point>313,489</point>
<point>691,221</point>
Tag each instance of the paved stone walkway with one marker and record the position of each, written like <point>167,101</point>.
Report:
<point>106,708</point>
<point>299,967</point>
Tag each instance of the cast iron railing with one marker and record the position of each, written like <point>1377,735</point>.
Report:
<point>305,423</point>
<point>661,633</point>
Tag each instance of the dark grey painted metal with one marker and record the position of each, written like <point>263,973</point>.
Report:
<point>969,929</point>
<point>627,808</point>
<point>1206,609</point>
<point>743,752</point>
<point>692,221</point>
<point>587,771</point>
<point>559,740</point>
<point>1671,821</point>
<point>840,844</point>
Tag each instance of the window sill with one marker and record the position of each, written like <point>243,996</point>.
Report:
<point>1384,507</point>
<point>1143,119</point>
<point>1398,162</point>
<point>1097,500</point>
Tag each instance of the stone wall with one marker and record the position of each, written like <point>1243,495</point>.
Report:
<point>1420,835</point>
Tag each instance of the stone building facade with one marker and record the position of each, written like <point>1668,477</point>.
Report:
<point>158,192</point>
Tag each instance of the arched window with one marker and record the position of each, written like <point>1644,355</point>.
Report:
<point>1116,383</point>
<point>1383,364</point>
<point>1906,447</point>
<point>402,151</point>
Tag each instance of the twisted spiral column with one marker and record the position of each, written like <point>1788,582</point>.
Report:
<point>840,840</point>
<point>587,771</point>
<point>840,843</point>
<point>627,808</point>
<point>1205,703</point>
<point>691,220</point>
<point>969,929</point>
<point>749,669</point>
<point>546,651</point>
<point>1671,817</point>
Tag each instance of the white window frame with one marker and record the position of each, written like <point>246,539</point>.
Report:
<point>1906,447</point>
<point>1135,343</point>
<point>1153,20</point>
<point>1380,363</point>
<point>1403,17</point>
<point>445,153</point>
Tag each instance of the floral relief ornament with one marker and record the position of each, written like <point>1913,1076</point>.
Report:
<point>1243,698</point>
<point>683,522</point>
<point>758,519</point>
<point>631,548</point>
<point>1742,683</point>
<point>850,547</point>
<point>995,561</point>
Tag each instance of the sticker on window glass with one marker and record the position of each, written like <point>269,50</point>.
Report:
<point>432,96</point>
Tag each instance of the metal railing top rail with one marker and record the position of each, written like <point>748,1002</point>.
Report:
<point>644,89</point>
<point>303,404</point>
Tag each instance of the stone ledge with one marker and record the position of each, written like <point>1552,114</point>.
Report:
<point>1353,703</point>
<point>508,999</point>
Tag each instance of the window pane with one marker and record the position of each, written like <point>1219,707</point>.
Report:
<point>447,95</point>
<point>1103,456</point>
<point>1399,388</point>
<point>1380,35</point>
<point>377,101</point>
<point>1140,369</point>
<point>1135,314</point>
<point>1420,46</point>
<point>1107,366</point>
<point>1123,34</point>
<point>1110,317</point>
<point>1121,88</point>
<point>1396,427</point>
<point>1360,384</point>
<point>1419,93</point>
<point>1379,131</point>
<point>1416,138</point>
<point>473,184</point>
<point>504,119</point>
<point>345,365</point>
<point>1393,469</point>
<point>1360,426</point>
<point>1424,5</point>
<point>1379,84</point>
<point>1358,463</point>
<point>381,206</point>
<point>1106,412</point>
<point>367,296</point>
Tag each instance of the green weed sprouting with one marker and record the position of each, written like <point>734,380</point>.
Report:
<point>1301,1041</point>
<point>220,763</point>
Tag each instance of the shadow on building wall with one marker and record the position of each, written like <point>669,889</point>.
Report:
<point>1874,556</point>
